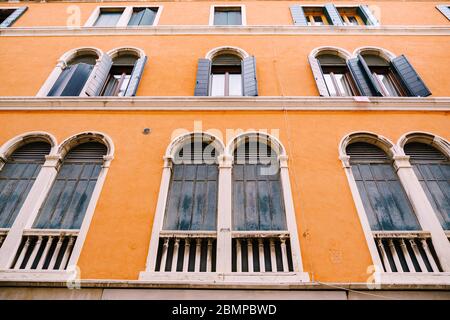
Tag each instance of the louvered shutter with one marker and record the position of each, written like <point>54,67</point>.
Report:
<point>250,84</point>
<point>445,10</point>
<point>367,15</point>
<point>298,16</point>
<point>385,201</point>
<point>69,196</point>
<point>77,80</point>
<point>362,76</point>
<point>410,78</point>
<point>13,17</point>
<point>17,177</point>
<point>423,152</point>
<point>333,15</point>
<point>98,77</point>
<point>203,74</point>
<point>318,76</point>
<point>136,76</point>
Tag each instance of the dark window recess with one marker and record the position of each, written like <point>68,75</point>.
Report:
<point>118,80</point>
<point>226,76</point>
<point>69,196</point>
<point>432,168</point>
<point>192,197</point>
<point>227,16</point>
<point>385,201</point>
<point>257,194</point>
<point>143,16</point>
<point>337,76</point>
<point>5,13</point>
<point>17,177</point>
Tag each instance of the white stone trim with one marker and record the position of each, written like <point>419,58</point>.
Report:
<point>436,141</point>
<point>344,54</point>
<point>211,54</point>
<point>385,54</point>
<point>214,6</point>
<point>113,53</point>
<point>14,143</point>
<point>62,64</point>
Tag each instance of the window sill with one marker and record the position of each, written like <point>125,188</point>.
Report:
<point>432,278</point>
<point>33,275</point>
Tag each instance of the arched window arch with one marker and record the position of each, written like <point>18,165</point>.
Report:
<point>73,72</point>
<point>430,160</point>
<point>18,175</point>
<point>226,71</point>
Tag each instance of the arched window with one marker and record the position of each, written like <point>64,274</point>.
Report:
<point>432,169</point>
<point>17,177</point>
<point>68,198</point>
<point>226,75</point>
<point>74,76</point>
<point>337,76</point>
<point>385,201</point>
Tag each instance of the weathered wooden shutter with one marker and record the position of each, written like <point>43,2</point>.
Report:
<point>362,76</point>
<point>98,77</point>
<point>445,10</point>
<point>432,169</point>
<point>203,74</point>
<point>61,82</point>
<point>410,78</point>
<point>298,15</point>
<point>69,196</point>
<point>258,202</point>
<point>136,76</point>
<point>250,84</point>
<point>333,15</point>
<point>318,76</point>
<point>13,17</point>
<point>385,201</point>
<point>192,197</point>
<point>367,15</point>
<point>77,80</point>
<point>17,177</point>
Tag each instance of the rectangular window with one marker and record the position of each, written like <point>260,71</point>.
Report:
<point>143,16</point>
<point>227,16</point>
<point>350,16</point>
<point>5,13</point>
<point>108,17</point>
<point>315,16</point>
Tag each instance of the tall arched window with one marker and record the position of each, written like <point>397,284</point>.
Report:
<point>226,75</point>
<point>432,169</point>
<point>187,242</point>
<point>68,198</point>
<point>385,201</point>
<point>74,76</point>
<point>17,177</point>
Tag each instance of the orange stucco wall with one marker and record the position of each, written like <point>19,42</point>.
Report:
<point>258,12</point>
<point>332,241</point>
<point>282,64</point>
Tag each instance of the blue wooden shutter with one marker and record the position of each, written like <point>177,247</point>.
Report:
<point>298,15</point>
<point>367,15</point>
<point>98,77</point>
<point>318,76</point>
<point>61,82</point>
<point>77,80</point>
<point>17,177</point>
<point>385,201</point>
<point>69,196</point>
<point>445,10</point>
<point>333,15</point>
<point>203,74</point>
<point>410,78</point>
<point>13,17</point>
<point>432,169</point>
<point>136,76</point>
<point>362,76</point>
<point>250,84</point>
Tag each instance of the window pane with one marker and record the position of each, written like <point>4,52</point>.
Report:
<point>343,85</point>
<point>234,18</point>
<point>387,84</point>
<point>220,18</point>
<point>218,85</point>
<point>330,85</point>
<point>108,19</point>
<point>235,85</point>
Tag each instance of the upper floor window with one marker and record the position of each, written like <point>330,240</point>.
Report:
<point>432,168</point>
<point>9,15</point>
<point>350,16</point>
<point>119,75</point>
<point>17,177</point>
<point>108,17</point>
<point>143,16</point>
<point>227,15</point>
<point>124,16</point>
<point>315,16</point>
<point>445,10</point>
<point>226,76</point>
<point>337,76</point>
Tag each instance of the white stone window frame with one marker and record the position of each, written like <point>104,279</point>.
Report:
<point>37,196</point>
<point>223,272</point>
<point>419,202</point>
<point>62,63</point>
<point>233,5</point>
<point>125,17</point>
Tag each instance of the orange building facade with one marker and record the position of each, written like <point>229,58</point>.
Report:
<point>348,100</point>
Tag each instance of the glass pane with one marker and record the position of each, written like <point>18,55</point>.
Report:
<point>218,85</point>
<point>148,18</point>
<point>108,19</point>
<point>387,84</point>
<point>330,85</point>
<point>124,85</point>
<point>136,17</point>
<point>343,84</point>
<point>235,85</point>
<point>234,18</point>
<point>220,18</point>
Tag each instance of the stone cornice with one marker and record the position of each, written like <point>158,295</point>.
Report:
<point>398,30</point>
<point>260,103</point>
